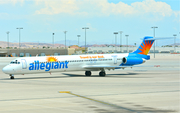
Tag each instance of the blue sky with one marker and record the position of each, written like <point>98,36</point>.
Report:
<point>41,18</point>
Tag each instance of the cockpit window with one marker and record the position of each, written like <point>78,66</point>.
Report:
<point>14,62</point>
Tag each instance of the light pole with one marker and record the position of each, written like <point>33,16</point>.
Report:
<point>127,41</point>
<point>53,39</point>
<point>65,41</point>
<point>120,40</point>
<point>174,42</point>
<point>19,38</point>
<point>8,41</point>
<point>85,36</point>
<point>78,41</point>
<point>154,40</point>
<point>116,40</point>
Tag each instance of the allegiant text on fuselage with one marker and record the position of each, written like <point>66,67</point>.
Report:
<point>47,66</point>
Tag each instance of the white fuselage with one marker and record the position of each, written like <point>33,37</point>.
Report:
<point>50,64</point>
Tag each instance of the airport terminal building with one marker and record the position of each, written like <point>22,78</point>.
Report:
<point>26,52</point>
<point>94,50</point>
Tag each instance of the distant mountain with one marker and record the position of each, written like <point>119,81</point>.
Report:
<point>3,44</point>
<point>177,44</point>
<point>106,45</point>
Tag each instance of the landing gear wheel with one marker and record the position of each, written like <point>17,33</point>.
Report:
<point>11,76</point>
<point>88,73</point>
<point>102,74</point>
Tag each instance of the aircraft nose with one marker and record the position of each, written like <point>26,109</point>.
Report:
<point>5,69</point>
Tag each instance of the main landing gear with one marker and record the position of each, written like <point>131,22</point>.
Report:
<point>101,74</point>
<point>11,76</point>
<point>88,73</point>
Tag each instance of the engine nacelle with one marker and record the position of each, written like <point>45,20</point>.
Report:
<point>132,60</point>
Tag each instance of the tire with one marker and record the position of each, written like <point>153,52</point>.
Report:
<point>102,74</point>
<point>12,77</point>
<point>88,73</point>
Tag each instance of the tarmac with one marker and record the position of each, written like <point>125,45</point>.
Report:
<point>154,88</point>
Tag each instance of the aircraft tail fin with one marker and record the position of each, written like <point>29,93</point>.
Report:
<point>145,45</point>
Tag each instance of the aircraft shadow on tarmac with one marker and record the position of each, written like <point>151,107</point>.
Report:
<point>38,77</point>
<point>127,75</point>
<point>75,75</point>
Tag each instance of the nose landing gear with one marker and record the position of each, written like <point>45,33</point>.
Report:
<point>11,76</point>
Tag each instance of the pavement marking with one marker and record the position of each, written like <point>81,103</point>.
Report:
<point>113,105</point>
<point>64,92</point>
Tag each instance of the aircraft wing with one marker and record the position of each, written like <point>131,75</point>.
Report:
<point>105,66</point>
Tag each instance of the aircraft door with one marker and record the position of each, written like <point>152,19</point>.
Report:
<point>24,63</point>
<point>114,58</point>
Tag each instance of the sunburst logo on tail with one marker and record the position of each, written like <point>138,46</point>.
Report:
<point>145,47</point>
<point>51,59</point>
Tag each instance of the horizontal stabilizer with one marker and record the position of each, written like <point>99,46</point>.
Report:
<point>159,38</point>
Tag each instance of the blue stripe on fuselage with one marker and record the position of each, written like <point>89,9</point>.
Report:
<point>147,57</point>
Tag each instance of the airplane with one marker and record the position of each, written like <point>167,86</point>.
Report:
<point>87,63</point>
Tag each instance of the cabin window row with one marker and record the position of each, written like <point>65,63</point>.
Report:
<point>79,60</point>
